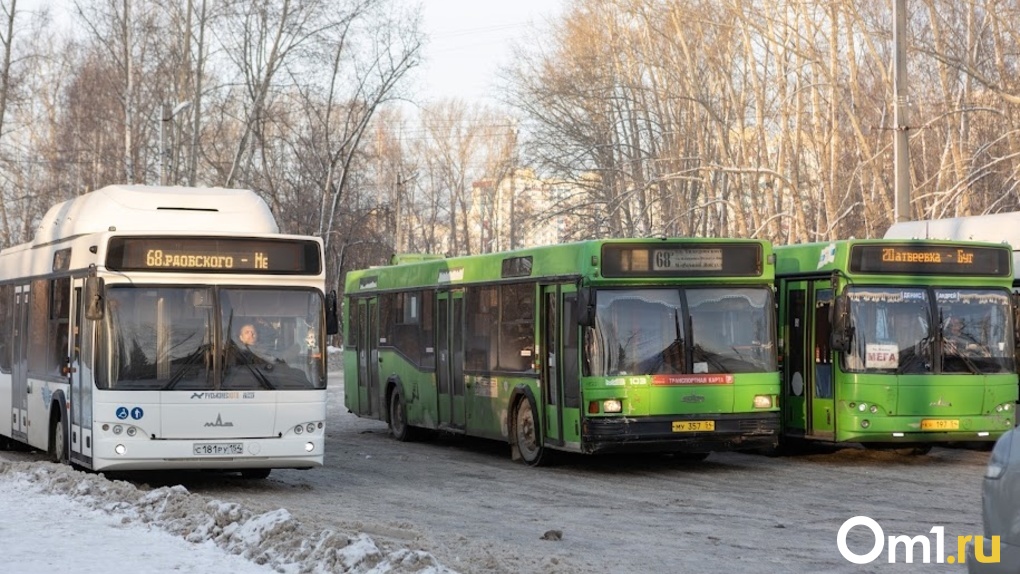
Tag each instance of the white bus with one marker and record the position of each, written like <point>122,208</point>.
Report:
<point>993,228</point>
<point>121,343</point>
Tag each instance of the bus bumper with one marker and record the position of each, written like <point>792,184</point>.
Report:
<point>655,434</point>
<point>144,454</point>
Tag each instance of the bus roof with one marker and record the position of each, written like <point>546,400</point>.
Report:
<point>577,259</point>
<point>994,228</point>
<point>154,208</point>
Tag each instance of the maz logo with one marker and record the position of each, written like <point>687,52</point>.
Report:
<point>219,422</point>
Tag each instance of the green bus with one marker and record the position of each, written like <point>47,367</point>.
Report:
<point>897,342</point>
<point>625,345</point>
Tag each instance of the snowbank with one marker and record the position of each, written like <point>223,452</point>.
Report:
<point>274,539</point>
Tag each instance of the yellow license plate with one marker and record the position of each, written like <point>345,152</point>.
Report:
<point>940,424</point>
<point>693,426</point>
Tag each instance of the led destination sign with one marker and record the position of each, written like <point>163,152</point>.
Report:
<point>930,260</point>
<point>214,255</point>
<point>692,260</point>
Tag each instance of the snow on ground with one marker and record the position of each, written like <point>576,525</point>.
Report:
<point>57,518</point>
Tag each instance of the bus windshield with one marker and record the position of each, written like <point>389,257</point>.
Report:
<point>894,330</point>
<point>188,338</point>
<point>689,330</point>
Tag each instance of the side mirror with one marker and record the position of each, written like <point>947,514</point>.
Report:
<point>586,306</point>
<point>95,305</point>
<point>842,330</point>
<point>332,321</point>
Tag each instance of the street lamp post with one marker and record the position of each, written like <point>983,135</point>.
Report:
<point>166,117</point>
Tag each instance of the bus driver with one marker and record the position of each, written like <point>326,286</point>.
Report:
<point>248,335</point>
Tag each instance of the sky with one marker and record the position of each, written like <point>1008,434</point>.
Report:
<point>468,40</point>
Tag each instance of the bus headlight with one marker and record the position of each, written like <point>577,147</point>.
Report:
<point>612,406</point>
<point>763,401</point>
<point>299,429</point>
<point>120,449</point>
<point>309,447</point>
<point>132,431</point>
<point>310,428</point>
<point>117,429</point>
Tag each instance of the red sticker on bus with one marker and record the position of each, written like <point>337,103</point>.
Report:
<point>692,379</point>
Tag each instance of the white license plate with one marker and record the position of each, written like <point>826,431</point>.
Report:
<point>218,448</point>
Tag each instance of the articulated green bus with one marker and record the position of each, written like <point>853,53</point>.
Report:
<point>589,347</point>
<point>893,342</point>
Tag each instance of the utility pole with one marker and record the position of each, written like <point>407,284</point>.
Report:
<point>901,149</point>
<point>165,117</point>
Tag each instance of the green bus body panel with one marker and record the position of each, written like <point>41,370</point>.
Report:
<point>488,398</point>
<point>902,401</point>
<point>550,261</point>
<point>641,397</point>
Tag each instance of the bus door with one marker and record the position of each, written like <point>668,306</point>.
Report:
<point>450,358</point>
<point>367,340</point>
<point>808,392</point>
<point>551,357</point>
<point>19,364</point>
<point>80,377</point>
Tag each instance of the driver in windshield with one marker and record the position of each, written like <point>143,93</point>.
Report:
<point>959,343</point>
<point>248,335</point>
<point>250,352</point>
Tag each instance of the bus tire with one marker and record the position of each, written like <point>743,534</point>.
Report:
<point>528,434</point>
<point>58,444</point>
<point>399,429</point>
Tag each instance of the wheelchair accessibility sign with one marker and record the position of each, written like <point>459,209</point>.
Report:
<point>135,413</point>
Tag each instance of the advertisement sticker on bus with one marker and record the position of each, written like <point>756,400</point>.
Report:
<point>882,356</point>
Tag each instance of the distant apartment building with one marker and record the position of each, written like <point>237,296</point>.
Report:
<point>520,210</point>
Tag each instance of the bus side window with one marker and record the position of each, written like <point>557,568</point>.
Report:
<point>6,326</point>
<point>823,351</point>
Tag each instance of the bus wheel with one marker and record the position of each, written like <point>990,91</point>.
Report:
<point>58,446</point>
<point>255,473</point>
<point>527,435</point>
<point>398,417</point>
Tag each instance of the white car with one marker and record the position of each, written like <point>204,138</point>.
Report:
<point>1000,509</point>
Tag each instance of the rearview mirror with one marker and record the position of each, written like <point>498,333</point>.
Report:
<point>586,306</point>
<point>842,330</point>
<point>94,303</point>
<point>332,321</point>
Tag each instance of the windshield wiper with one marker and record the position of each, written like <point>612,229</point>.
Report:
<point>184,367</point>
<point>253,366</point>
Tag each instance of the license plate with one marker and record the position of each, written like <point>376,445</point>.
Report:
<point>940,424</point>
<point>693,426</point>
<point>218,449</point>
